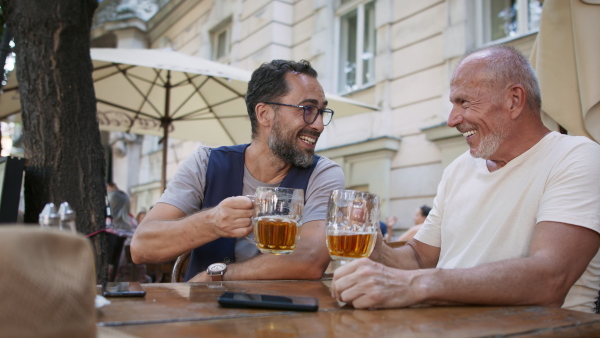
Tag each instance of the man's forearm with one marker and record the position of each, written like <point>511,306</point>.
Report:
<point>518,281</point>
<point>558,256</point>
<point>268,266</point>
<point>308,261</point>
<point>163,240</point>
<point>407,257</point>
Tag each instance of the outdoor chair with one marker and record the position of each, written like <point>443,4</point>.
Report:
<point>115,244</point>
<point>180,267</point>
<point>113,252</point>
<point>598,303</point>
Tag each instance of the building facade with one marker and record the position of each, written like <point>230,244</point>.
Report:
<point>397,55</point>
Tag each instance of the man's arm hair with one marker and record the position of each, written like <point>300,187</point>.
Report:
<point>558,256</point>
<point>308,261</point>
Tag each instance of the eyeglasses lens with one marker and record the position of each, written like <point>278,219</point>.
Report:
<point>311,113</point>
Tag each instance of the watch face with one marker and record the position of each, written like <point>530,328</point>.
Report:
<point>217,267</point>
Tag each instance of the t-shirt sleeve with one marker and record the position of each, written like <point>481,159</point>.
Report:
<point>572,193</point>
<point>186,189</point>
<point>326,177</point>
<point>431,231</point>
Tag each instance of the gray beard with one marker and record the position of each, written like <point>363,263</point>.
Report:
<point>489,145</point>
<point>285,148</point>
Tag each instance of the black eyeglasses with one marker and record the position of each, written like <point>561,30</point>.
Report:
<point>310,112</point>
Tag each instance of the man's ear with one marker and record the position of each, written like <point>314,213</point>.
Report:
<point>518,99</point>
<point>264,114</point>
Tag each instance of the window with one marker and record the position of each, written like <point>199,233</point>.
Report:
<point>221,41</point>
<point>502,20</point>
<point>357,48</point>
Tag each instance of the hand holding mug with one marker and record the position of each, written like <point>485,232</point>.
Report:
<point>276,219</point>
<point>233,217</point>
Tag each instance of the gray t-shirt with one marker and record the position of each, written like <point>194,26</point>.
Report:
<point>186,191</point>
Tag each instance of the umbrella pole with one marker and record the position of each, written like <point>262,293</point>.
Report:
<point>163,175</point>
<point>165,124</point>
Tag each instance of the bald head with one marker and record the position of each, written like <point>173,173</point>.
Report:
<point>504,66</point>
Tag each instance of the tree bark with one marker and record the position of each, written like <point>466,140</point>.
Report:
<point>60,128</point>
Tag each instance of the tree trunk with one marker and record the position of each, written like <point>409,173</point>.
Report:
<point>60,128</point>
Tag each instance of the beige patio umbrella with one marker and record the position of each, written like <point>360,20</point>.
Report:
<point>171,94</point>
<point>566,57</point>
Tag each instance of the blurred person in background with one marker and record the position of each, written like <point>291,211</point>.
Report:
<point>420,216</point>
<point>123,223</point>
<point>140,216</point>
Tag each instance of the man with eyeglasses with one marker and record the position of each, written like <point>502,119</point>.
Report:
<point>204,208</point>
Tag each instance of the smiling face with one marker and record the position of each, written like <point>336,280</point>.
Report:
<point>478,112</point>
<point>291,139</point>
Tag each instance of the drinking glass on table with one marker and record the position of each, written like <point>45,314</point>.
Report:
<point>276,218</point>
<point>352,223</point>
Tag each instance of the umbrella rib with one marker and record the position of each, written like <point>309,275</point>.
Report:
<point>127,109</point>
<point>210,118</point>
<point>209,108</point>
<point>139,91</point>
<point>196,90</point>
<point>187,79</point>
<point>146,95</point>
<point>114,72</point>
<point>228,87</point>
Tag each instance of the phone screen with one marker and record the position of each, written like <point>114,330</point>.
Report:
<point>237,299</point>
<point>123,289</point>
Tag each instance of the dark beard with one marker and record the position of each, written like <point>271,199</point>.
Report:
<point>286,148</point>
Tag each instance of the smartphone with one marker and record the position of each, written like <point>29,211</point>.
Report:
<point>249,300</point>
<point>123,289</point>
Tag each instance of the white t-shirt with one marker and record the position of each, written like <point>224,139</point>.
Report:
<point>480,216</point>
<point>186,192</point>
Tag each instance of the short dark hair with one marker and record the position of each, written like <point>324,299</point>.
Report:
<point>425,209</point>
<point>268,84</point>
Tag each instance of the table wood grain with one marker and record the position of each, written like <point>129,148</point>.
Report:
<point>191,309</point>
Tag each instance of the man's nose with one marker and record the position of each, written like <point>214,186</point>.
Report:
<point>318,124</point>
<point>455,118</point>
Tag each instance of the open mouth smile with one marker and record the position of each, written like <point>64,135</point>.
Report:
<point>469,133</point>
<point>309,140</point>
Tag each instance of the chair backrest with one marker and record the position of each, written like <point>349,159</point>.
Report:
<point>180,267</point>
<point>11,178</point>
<point>113,252</point>
<point>597,310</point>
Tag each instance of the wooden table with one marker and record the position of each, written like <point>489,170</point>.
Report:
<point>191,309</point>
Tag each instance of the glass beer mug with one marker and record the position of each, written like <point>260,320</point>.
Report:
<point>276,218</point>
<point>352,223</point>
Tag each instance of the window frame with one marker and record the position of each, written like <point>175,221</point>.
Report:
<point>343,10</point>
<point>483,24</point>
<point>224,27</point>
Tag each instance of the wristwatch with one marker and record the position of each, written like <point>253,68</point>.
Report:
<point>216,271</point>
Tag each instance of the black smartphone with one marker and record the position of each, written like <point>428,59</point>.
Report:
<point>123,289</point>
<point>249,300</point>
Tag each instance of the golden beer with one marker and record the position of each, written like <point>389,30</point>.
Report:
<point>275,235</point>
<point>344,245</point>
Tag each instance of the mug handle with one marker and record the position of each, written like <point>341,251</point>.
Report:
<point>250,237</point>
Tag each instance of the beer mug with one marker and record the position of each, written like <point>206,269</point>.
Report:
<point>276,218</point>
<point>352,223</point>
